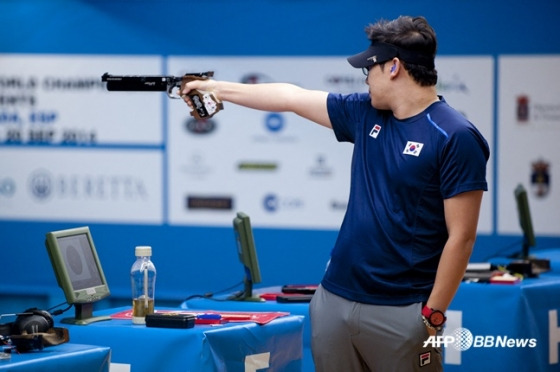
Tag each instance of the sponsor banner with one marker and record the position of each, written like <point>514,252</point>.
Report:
<point>86,185</point>
<point>60,100</point>
<point>280,169</point>
<point>529,128</point>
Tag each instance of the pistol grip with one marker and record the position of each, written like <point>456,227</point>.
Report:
<point>205,104</point>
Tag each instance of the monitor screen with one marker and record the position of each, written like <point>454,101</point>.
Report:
<point>247,256</point>
<point>78,271</point>
<point>525,220</point>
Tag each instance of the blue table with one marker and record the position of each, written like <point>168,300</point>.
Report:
<point>232,346</point>
<point>60,358</point>
<point>300,309</point>
<point>512,327</point>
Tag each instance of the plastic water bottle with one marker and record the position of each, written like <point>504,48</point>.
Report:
<point>143,280</point>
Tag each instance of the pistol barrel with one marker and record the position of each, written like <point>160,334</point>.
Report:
<point>137,83</point>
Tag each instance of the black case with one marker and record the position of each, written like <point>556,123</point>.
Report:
<point>294,298</point>
<point>170,320</point>
<point>299,288</point>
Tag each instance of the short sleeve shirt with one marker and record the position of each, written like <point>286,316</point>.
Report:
<point>394,231</point>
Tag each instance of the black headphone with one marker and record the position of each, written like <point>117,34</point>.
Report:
<point>28,324</point>
<point>32,321</point>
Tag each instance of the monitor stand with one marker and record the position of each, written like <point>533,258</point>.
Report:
<point>84,315</point>
<point>529,267</point>
<point>246,294</point>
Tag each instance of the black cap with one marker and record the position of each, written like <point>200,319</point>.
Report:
<point>379,52</point>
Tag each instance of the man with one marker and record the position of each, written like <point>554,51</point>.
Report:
<point>418,175</point>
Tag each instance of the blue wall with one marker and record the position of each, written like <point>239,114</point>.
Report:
<point>267,27</point>
<point>193,259</point>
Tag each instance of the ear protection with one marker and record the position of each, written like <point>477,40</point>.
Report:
<point>393,68</point>
<point>32,321</point>
<point>33,329</point>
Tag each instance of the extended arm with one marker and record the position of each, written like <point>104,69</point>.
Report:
<point>277,97</point>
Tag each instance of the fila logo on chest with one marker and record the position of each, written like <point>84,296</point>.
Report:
<point>375,131</point>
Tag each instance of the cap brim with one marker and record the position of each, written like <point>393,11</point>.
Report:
<point>376,53</point>
<point>361,59</point>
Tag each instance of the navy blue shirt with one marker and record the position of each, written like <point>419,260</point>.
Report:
<point>394,231</point>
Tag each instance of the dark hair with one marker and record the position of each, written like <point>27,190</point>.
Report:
<point>411,33</point>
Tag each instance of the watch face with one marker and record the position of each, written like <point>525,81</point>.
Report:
<point>437,318</point>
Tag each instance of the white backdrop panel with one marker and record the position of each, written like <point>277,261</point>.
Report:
<point>529,131</point>
<point>62,184</point>
<point>54,99</point>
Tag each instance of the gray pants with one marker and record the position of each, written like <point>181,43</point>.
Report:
<point>351,336</point>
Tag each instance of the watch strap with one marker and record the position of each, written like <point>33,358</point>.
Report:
<point>427,313</point>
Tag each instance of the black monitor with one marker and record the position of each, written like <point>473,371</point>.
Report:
<point>247,256</point>
<point>526,264</point>
<point>78,271</point>
<point>525,220</point>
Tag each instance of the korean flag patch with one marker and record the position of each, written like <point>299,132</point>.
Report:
<point>413,148</point>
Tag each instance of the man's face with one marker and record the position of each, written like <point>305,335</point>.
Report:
<point>377,81</point>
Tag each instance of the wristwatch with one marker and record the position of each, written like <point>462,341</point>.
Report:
<point>433,318</point>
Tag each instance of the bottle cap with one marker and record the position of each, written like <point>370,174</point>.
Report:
<point>143,250</point>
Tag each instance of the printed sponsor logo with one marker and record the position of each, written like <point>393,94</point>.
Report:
<point>530,112</point>
<point>43,185</point>
<point>338,205</point>
<point>344,83</point>
<point>454,84</point>
<point>274,203</point>
<point>321,169</point>
<point>7,187</point>
<point>255,78</point>
<point>522,109</point>
<point>257,166</point>
<point>203,126</point>
<point>275,130</point>
<point>209,202</point>
<point>274,122</point>
<point>196,166</point>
